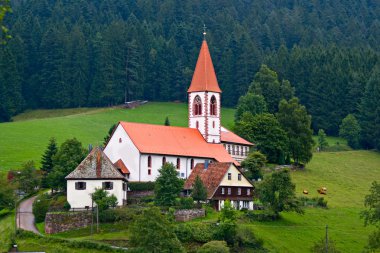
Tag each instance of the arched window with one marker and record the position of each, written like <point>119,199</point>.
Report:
<point>213,106</point>
<point>192,164</point>
<point>149,161</point>
<point>197,106</point>
<point>120,140</point>
<point>163,160</point>
<point>213,124</point>
<point>178,163</point>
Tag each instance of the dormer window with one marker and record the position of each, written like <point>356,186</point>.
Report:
<point>120,140</point>
<point>213,106</point>
<point>197,106</point>
<point>229,176</point>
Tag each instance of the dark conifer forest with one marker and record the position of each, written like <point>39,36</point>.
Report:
<point>75,53</point>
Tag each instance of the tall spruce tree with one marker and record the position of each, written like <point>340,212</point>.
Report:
<point>296,122</point>
<point>47,160</point>
<point>199,192</point>
<point>167,186</point>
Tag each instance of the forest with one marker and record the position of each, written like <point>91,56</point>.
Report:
<point>66,53</point>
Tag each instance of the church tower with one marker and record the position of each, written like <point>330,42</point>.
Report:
<point>204,98</point>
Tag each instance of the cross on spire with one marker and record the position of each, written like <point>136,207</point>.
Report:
<point>204,32</point>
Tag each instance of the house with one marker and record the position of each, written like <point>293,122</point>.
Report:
<point>223,181</point>
<point>96,171</point>
<point>144,148</point>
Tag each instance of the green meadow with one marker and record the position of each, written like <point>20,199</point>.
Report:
<point>347,176</point>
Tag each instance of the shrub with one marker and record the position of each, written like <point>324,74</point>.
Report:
<point>186,203</point>
<point>247,239</point>
<point>67,206</point>
<point>262,215</point>
<point>141,186</point>
<point>184,232</point>
<point>202,232</point>
<point>214,247</point>
<point>40,207</point>
<point>226,231</point>
<point>316,201</point>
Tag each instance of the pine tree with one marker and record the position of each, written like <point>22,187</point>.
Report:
<point>167,186</point>
<point>109,135</point>
<point>167,122</point>
<point>199,192</point>
<point>47,160</point>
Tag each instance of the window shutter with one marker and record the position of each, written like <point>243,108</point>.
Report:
<point>103,185</point>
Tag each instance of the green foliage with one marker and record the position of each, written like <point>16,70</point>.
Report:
<point>296,122</point>
<point>320,247</point>
<point>152,232</point>
<point>315,201</point>
<point>250,102</point>
<point>262,215</point>
<point>228,212</point>
<point>7,196</point>
<point>41,207</point>
<point>266,83</point>
<point>103,200</point>
<point>202,232</point>
<point>350,130</point>
<point>199,192</point>
<point>186,203</point>
<point>246,238</point>
<point>214,247</point>
<point>167,186</point>
<point>372,203</point>
<point>28,179</point>
<point>110,132</point>
<point>369,111</point>
<point>5,7</point>
<point>184,232</point>
<point>374,241</point>
<point>227,227</point>
<point>69,156</point>
<point>167,122</point>
<point>322,142</point>
<point>277,192</point>
<point>265,131</point>
<point>141,186</point>
<point>254,163</point>
<point>47,160</point>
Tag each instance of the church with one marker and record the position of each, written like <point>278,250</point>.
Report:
<point>141,149</point>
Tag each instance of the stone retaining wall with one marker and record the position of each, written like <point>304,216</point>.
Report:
<point>189,214</point>
<point>64,221</point>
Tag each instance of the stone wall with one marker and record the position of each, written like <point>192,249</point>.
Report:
<point>64,221</point>
<point>189,214</point>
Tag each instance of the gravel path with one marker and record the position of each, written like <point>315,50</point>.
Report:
<point>25,219</point>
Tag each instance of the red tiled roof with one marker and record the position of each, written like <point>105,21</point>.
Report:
<point>204,78</point>
<point>170,140</point>
<point>120,165</point>
<point>211,177</point>
<point>228,136</point>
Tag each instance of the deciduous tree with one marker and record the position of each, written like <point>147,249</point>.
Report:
<point>250,102</point>
<point>350,130</point>
<point>371,216</point>
<point>103,199</point>
<point>167,186</point>
<point>254,163</point>
<point>322,142</point>
<point>199,192</point>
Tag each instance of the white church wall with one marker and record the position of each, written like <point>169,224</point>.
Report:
<point>82,198</point>
<point>124,150</point>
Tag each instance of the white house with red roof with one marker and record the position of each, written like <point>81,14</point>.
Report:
<point>141,149</point>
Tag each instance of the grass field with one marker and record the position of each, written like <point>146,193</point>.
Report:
<point>27,137</point>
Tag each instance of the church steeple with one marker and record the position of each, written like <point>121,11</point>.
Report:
<point>204,97</point>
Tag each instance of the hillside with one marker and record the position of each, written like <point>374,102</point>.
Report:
<point>27,138</point>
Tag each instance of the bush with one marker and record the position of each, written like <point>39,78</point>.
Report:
<point>41,207</point>
<point>214,247</point>
<point>202,232</point>
<point>184,232</point>
<point>247,239</point>
<point>315,202</point>
<point>141,186</point>
<point>262,215</point>
<point>67,206</point>
<point>226,231</point>
<point>185,203</point>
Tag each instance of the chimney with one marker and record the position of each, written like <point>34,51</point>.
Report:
<point>98,165</point>
<point>206,164</point>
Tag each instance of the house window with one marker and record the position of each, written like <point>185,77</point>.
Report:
<point>182,175</point>
<point>191,164</point>
<point>239,177</point>
<point>197,106</point>
<point>213,106</point>
<point>229,149</point>
<point>213,124</point>
<point>124,187</point>
<point>229,191</point>
<point>107,185</point>
<point>248,191</point>
<point>229,176</point>
<point>149,162</point>
<point>239,191</point>
<point>120,140</point>
<point>233,149</point>
<point>223,190</point>
<point>149,172</point>
<point>163,160</point>
<point>80,185</point>
<point>178,163</point>
<point>246,204</point>
<point>197,125</point>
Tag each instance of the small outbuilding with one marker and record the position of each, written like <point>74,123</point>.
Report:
<point>223,181</point>
<point>96,171</point>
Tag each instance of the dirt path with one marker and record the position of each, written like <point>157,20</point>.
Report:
<point>25,219</point>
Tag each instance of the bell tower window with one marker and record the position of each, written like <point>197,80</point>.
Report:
<point>213,106</point>
<point>197,106</point>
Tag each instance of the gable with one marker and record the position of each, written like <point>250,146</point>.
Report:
<point>234,178</point>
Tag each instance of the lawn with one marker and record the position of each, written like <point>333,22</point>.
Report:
<point>27,138</point>
<point>7,228</point>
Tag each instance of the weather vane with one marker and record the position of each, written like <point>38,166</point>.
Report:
<point>204,31</point>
